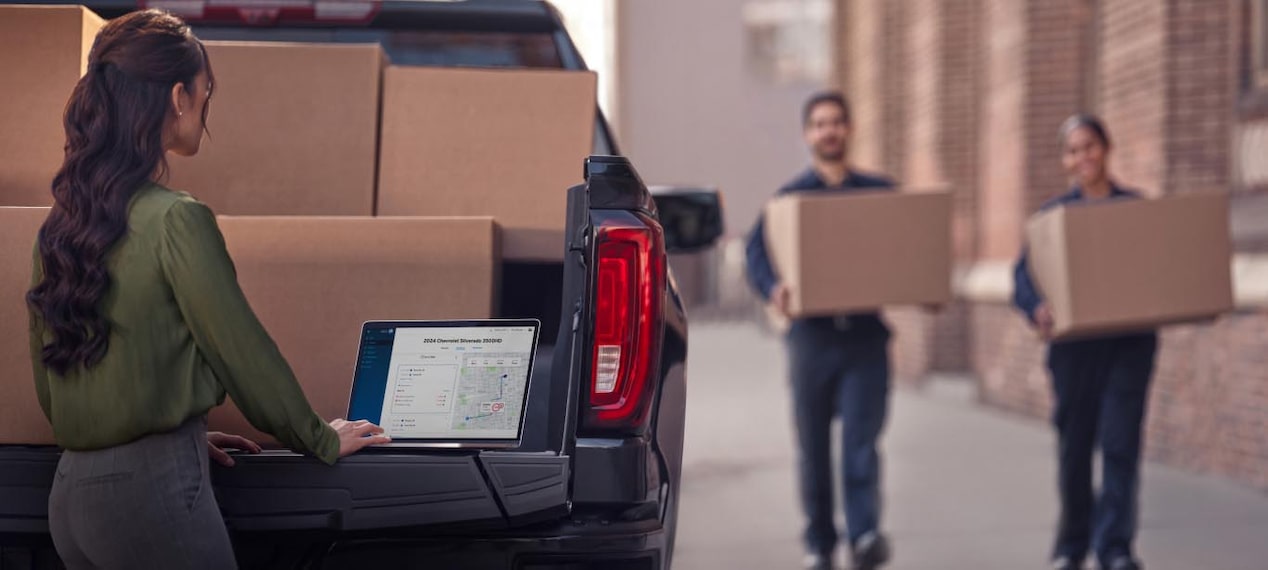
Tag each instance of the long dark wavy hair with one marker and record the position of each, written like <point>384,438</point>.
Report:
<point>114,122</point>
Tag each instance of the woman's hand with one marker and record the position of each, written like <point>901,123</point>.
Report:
<point>355,436</point>
<point>218,442</point>
<point>1044,321</point>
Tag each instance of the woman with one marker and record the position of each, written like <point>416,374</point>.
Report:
<point>1100,387</point>
<point>138,324</point>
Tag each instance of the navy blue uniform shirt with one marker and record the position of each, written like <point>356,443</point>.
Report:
<point>761,274</point>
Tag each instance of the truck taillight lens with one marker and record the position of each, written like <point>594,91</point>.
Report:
<point>629,289</point>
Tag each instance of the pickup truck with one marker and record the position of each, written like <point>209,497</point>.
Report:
<point>595,482</point>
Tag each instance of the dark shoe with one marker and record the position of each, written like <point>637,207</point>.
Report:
<point>1124,563</point>
<point>817,561</point>
<point>871,552</point>
<point>1066,563</point>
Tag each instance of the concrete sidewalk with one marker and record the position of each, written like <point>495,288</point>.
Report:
<point>967,488</point>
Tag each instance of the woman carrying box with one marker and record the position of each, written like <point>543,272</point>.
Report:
<point>1100,388</point>
<point>139,326</point>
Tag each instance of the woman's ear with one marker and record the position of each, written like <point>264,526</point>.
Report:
<point>179,96</point>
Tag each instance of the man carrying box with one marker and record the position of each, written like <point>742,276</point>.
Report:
<point>839,364</point>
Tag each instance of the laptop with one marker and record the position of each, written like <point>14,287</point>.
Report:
<point>445,384</point>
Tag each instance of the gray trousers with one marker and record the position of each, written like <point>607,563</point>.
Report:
<point>145,504</point>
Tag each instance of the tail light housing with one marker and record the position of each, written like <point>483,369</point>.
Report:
<point>628,323</point>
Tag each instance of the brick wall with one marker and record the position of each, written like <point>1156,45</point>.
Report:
<point>951,343</point>
<point>927,342</point>
<point>893,43</point>
<point>862,79</point>
<point>960,103</point>
<point>971,92</point>
<point>924,70</point>
<point>1201,95</point>
<point>1008,361</point>
<point>1164,82</point>
<point>1002,157</point>
<point>1207,403</point>
<point>960,99</point>
<point>1210,398</point>
<point>1034,79</point>
<point>1168,92</point>
<point>1054,90</point>
<point>912,345</point>
<point>1132,85</point>
<point>875,37</point>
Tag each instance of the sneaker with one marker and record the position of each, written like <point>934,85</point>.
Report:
<point>1066,563</point>
<point>871,551</point>
<point>1124,563</point>
<point>817,561</point>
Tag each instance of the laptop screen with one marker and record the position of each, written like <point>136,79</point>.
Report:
<point>444,381</point>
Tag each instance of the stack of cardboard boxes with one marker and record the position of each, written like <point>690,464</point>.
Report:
<point>349,189</point>
<point>43,53</point>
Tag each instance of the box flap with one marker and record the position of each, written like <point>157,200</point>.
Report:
<point>92,24</point>
<point>783,241</point>
<point>1049,263</point>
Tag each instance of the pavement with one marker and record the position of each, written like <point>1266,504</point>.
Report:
<point>966,487</point>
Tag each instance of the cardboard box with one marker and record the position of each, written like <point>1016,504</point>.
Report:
<point>852,251</point>
<point>505,143</point>
<point>43,53</point>
<point>293,131</point>
<point>314,281</point>
<point>1133,264</point>
<point>21,420</point>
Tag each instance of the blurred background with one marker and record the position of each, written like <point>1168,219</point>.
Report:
<point>967,93</point>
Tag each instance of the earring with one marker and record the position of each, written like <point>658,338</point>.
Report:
<point>180,113</point>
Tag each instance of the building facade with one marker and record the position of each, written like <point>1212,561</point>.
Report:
<point>971,93</point>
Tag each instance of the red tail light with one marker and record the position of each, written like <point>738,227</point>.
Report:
<point>629,290</point>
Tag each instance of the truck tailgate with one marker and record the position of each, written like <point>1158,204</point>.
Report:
<point>283,491</point>
<point>287,491</point>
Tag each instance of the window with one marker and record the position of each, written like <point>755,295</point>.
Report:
<point>788,41</point>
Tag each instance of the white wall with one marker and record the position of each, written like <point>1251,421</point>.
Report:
<point>691,112</point>
<point>592,25</point>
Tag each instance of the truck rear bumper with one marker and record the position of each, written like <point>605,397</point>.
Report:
<point>288,492</point>
<point>568,546</point>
